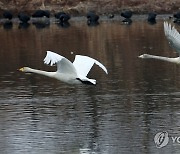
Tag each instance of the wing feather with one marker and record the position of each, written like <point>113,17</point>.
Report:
<point>52,58</point>
<point>83,64</point>
<point>173,36</point>
<point>63,64</point>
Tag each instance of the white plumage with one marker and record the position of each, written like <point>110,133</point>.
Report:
<point>72,73</point>
<point>83,64</point>
<point>173,37</point>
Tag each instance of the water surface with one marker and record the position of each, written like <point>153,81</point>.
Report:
<point>121,114</point>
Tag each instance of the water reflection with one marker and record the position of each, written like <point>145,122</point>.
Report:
<point>119,115</point>
<point>41,24</point>
<point>23,25</point>
<point>63,24</point>
<point>8,25</point>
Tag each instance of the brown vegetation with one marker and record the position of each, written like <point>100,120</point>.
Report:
<point>78,7</point>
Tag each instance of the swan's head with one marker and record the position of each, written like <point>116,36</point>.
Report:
<point>143,56</point>
<point>24,69</point>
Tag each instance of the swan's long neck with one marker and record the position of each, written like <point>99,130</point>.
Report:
<point>172,60</point>
<point>48,74</point>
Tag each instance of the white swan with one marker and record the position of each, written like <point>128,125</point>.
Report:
<point>173,37</point>
<point>68,72</point>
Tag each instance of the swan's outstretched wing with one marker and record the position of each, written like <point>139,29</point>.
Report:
<point>173,36</point>
<point>83,64</point>
<point>63,64</point>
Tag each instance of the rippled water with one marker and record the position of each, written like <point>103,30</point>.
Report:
<point>121,114</point>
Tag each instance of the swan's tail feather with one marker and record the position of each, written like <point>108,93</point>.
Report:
<point>89,81</point>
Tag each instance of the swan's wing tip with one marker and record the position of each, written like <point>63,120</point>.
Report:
<point>48,51</point>
<point>105,70</point>
<point>172,35</point>
<point>165,22</point>
<point>52,58</point>
<point>101,66</point>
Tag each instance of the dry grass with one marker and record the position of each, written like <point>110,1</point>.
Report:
<point>100,6</point>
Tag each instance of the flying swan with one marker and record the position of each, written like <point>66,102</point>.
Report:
<point>173,37</point>
<point>68,72</point>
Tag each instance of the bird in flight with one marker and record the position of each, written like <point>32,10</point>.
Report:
<point>173,37</point>
<point>68,72</point>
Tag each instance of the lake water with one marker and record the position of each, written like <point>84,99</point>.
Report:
<point>121,114</point>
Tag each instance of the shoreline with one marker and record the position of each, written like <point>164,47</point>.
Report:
<point>135,17</point>
<point>81,7</point>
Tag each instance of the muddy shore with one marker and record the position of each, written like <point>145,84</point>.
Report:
<point>81,7</point>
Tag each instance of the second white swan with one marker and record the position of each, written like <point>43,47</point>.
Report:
<point>173,37</point>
